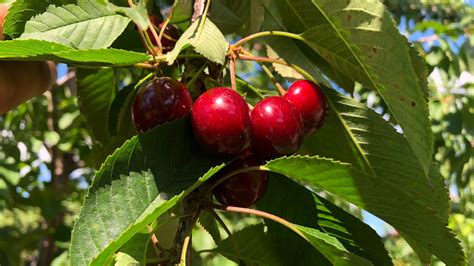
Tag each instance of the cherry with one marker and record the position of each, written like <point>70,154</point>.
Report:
<point>170,35</point>
<point>277,129</point>
<point>310,102</point>
<point>158,101</point>
<point>242,189</point>
<point>221,122</point>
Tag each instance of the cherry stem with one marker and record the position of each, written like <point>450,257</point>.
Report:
<point>187,240</point>
<point>232,74</point>
<point>146,42</point>
<point>298,69</point>
<point>251,87</point>
<point>203,18</point>
<point>259,213</point>
<point>162,31</point>
<point>161,58</point>
<point>196,75</point>
<point>226,229</point>
<point>155,36</point>
<point>279,87</point>
<point>267,71</point>
<point>141,81</point>
<point>268,33</point>
<point>156,244</point>
<point>184,251</point>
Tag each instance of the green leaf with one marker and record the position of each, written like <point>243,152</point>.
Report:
<point>34,50</point>
<point>296,52</point>
<point>360,40</point>
<point>293,202</point>
<point>248,12</point>
<point>103,57</point>
<point>206,39</point>
<point>250,245</point>
<point>30,49</point>
<point>331,248</point>
<point>20,11</point>
<point>89,24</point>
<point>369,142</point>
<point>134,251</point>
<point>96,92</point>
<point>139,182</point>
<point>377,196</point>
<point>138,14</point>
<point>182,13</point>
<point>120,107</point>
<point>209,223</point>
<point>226,20</point>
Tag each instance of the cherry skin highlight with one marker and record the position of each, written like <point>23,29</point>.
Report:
<point>310,102</point>
<point>242,189</point>
<point>221,122</point>
<point>158,101</point>
<point>277,129</point>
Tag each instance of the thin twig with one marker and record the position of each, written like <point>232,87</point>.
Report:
<point>226,229</point>
<point>268,33</point>
<point>232,74</point>
<point>66,78</point>
<point>156,244</point>
<point>184,251</point>
<point>259,213</point>
<point>145,65</point>
<point>198,9</point>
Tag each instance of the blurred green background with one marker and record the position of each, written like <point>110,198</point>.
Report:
<point>46,150</point>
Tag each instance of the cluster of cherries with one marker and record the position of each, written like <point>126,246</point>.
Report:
<point>224,125</point>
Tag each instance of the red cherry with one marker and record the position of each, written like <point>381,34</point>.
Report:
<point>310,102</point>
<point>158,101</point>
<point>242,189</point>
<point>170,35</point>
<point>221,122</point>
<point>277,129</point>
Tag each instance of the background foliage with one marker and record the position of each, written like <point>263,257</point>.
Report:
<point>52,145</point>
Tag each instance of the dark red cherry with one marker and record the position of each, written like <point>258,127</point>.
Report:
<point>277,129</point>
<point>158,101</point>
<point>242,189</point>
<point>170,35</point>
<point>310,102</point>
<point>221,122</point>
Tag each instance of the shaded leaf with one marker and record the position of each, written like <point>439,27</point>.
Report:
<point>136,184</point>
<point>331,248</point>
<point>250,245</point>
<point>96,92</point>
<point>209,223</point>
<point>134,251</point>
<point>377,196</point>
<point>291,201</point>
